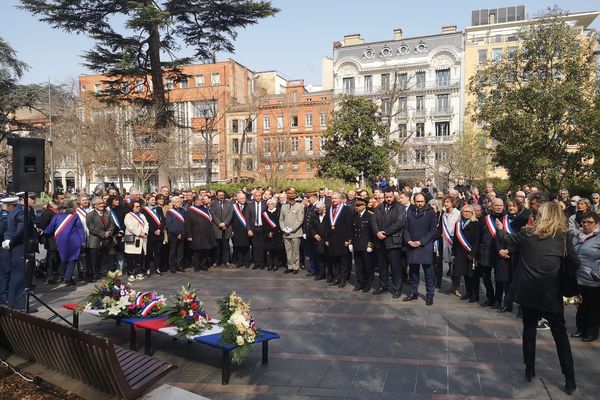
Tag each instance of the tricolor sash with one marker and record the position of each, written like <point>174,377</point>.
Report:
<point>63,225</point>
<point>446,233</point>
<point>153,215</point>
<point>138,219</point>
<point>269,220</point>
<point>201,213</point>
<point>491,225</point>
<point>113,216</point>
<point>177,215</point>
<point>459,234</point>
<point>506,224</point>
<point>82,213</point>
<point>52,209</point>
<point>239,215</point>
<point>333,218</point>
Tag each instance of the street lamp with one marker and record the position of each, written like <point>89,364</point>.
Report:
<point>207,157</point>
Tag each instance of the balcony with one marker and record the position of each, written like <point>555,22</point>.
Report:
<point>442,111</point>
<point>382,91</point>
<point>420,113</point>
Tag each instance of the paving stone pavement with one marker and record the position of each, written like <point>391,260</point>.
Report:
<point>339,344</point>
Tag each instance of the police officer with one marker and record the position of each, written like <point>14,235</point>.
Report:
<point>4,253</point>
<point>362,246</point>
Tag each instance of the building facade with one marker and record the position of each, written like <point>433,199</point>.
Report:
<point>418,84</point>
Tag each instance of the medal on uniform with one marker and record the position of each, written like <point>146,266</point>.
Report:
<point>333,218</point>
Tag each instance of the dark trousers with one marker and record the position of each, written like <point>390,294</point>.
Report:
<point>364,269</point>
<point>175,253</point>
<point>95,263</point>
<point>83,263</point>
<point>415,278</point>
<point>52,263</point>
<point>484,272</point>
<point>340,267</point>
<point>153,253</point>
<point>559,333</point>
<point>438,270</point>
<point>135,263</point>
<point>200,259</point>
<point>389,260</point>
<point>4,275</point>
<point>313,266</point>
<point>274,258</point>
<point>223,251</point>
<point>321,262</point>
<point>403,266</point>
<point>241,256</point>
<point>499,293</point>
<point>16,287</point>
<point>588,312</point>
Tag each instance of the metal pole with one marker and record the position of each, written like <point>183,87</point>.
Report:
<point>26,234</point>
<point>207,157</point>
<point>50,140</point>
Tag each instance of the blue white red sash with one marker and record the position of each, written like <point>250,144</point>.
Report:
<point>201,213</point>
<point>459,234</point>
<point>491,225</point>
<point>113,216</point>
<point>153,215</point>
<point>177,215</point>
<point>269,220</point>
<point>239,215</point>
<point>446,232</point>
<point>333,218</point>
<point>138,219</point>
<point>82,213</point>
<point>506,223</point>
<point>63,225</point>
<point>52,209</point>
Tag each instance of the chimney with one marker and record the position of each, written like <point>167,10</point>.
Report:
<point>449,29</point>
<point>355,38</point>
<point>398,34</point>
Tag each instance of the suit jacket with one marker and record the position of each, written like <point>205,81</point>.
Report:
<point>221,215</point>
<point>199,229</point>
<point>391,223</point>
<point>240,232</point>
<point>174,225</point>
<point>342,233</point>
<point>252,216</point>
<point>49,212</point>
<point>463,260</point>
<point>421,225</point>
<point>292,216</point>
<point>153,225</point>
<point>363,235</point>
<point>321,228</point>
<point>97,229</point>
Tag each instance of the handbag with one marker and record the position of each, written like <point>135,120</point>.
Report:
<point>129,239</point>
<point>569,265</point>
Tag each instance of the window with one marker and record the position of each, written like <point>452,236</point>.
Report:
<point>442,77</point>
<point>420,156</point>
<point>295,143</point>
<point>402,81</point>
<point>309,166</point>
<point>169,84</point>
<point>368,83</point>
<point>280,122</point>
<point>496,55</point>
<point>294,121</point>
<point>420,103</point>
<point>308,144</point>
<point>267,167</point>
<point>442,129</point>
<point>482,56</point>
<point>266,123</point>
<point>385,81</point>
<point>249,144</point>
<point>250,125</point>
<point>200,108</point>
<point>420,132</point>
<point>267,146</point>
<point>139,86</point>
<point>442,102</point>
<point>295,167</point>
<point>249,164</point>
<point>402,133</point>
<point>323,119</point>
<point>235,126</point>
<point>281,166</point>
<point>308,120</point>
<point>441,155</point>
<point>294,97</point>
<point>215,79</point>
<point>403,157</point>
<point>322,142</point>
<point>385,107</point>
<point>184,82</point>
<point>348,84</point>
<point>280,146</point>
<point>420,76</point>
<point>511,51</point>
<point>236,145</point>
<point>199,80</point>
<point>402,104</point>
<point>97,87</point>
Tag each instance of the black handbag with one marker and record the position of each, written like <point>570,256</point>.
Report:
<point>568,273</point>
<point>129,239</point>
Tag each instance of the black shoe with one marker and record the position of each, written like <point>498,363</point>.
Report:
<point>465,297</point>
<point>334,283</point>
<point>590,338</point>
<point>173,271</point>
<point>52,281</point>
<point>396,296</point>
<point>529,374</point>
<point>356,289</point>
<point>309,274</point>
<point>504,309</point>
<point>473,300</point>
<point>319,277</point>
<point>295,272</point>
<point>577,334</point>
<point>411,297</point>
<point>570,386</point>
<point>365,290</point>
<point>488,303</point>
<point>495,306</point>
<point>288,271</point>
<point>70,283</point>
<point>429,301</point>
<point>379,291</point>
<point>342,284</point>
<point>255,267</point>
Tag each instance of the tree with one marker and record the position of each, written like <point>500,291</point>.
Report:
<point>352,148</point>
<point>539,104</point>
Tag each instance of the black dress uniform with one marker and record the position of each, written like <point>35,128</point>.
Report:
<point>361,241</point>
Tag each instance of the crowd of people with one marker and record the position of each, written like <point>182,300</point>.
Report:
<point>396,231</point>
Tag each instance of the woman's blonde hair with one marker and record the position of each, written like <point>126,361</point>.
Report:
<point>473,216</point>
<point>550,221</point>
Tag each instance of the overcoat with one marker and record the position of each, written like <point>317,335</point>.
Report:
<point>199,228</point>
<point>340,232</point>
<point>421,225</point>
<point>240,236</point>
<point>463,259</point>
<point>136,225</point>
<point>70,237</point>
<point>391,223</point>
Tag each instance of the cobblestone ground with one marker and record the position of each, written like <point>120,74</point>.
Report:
<point>340,344</point>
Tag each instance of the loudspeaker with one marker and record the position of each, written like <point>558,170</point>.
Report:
<point>28,164</point>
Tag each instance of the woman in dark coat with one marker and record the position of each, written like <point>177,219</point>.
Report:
<point>273,236</point>
<point>536,283</point>
<point>464,250</point>
<point>319,227</point>
<point>199,231</point>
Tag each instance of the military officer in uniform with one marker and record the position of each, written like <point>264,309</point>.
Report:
<point>7,206</point>
<point>362,246</point>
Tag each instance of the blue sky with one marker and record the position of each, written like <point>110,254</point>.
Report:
<point>293,42</point>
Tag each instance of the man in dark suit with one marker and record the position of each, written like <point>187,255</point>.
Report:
<point>339,238</point>
<point>222,213</point>
<point>317,231</point>
<point>387,225</point>
<point>199,231</point>
<point>405,207</point>
<point>309,242</point>
<point>256,228</point>
<point>100,226</point>
<point>52,256</point>
<point>240,229</point>
<point>362,246</point>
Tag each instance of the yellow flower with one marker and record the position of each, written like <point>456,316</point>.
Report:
<point>239,340</point>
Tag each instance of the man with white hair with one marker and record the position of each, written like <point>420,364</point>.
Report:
<point>240,227</point>
<point>339,238</point>
<point>100,226</point>
<point>290,221</point>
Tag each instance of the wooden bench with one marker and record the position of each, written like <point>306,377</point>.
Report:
<point>82,356</point>
<point>207,338</point>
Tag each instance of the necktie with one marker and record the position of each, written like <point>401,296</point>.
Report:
<point>257,214</point>
<point>221,206</point>
<point>103,219</point>
<point>387,208</point>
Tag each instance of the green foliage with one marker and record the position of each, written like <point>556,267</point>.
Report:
<point>301,185</point>
<point>540,105</point>
<point>353,137</point>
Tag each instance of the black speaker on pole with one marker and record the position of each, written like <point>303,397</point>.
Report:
<point>28,164</point>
